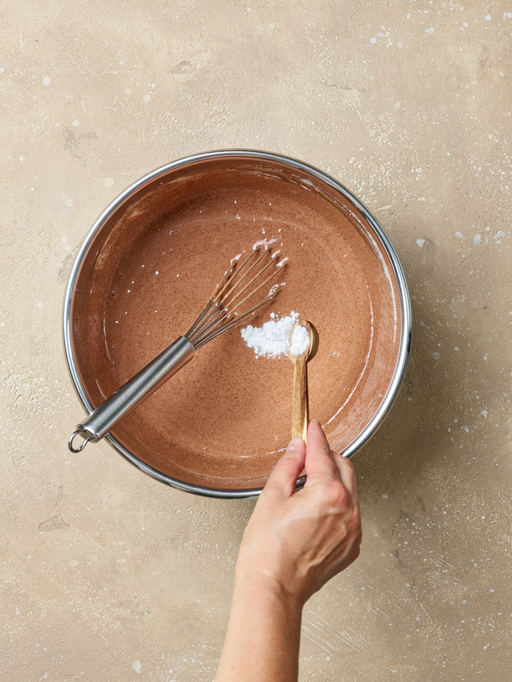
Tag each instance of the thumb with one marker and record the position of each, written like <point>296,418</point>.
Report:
<point>283,479</point>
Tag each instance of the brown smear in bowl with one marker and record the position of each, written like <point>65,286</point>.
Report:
<point>224,420</point>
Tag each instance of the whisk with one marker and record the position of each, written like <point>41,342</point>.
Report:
<point>223,312</point>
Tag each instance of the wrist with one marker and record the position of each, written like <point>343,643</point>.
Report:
<point>263,636</point>
<point>262,586</point>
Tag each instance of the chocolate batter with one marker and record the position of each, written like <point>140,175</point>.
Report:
<point>225,419</point>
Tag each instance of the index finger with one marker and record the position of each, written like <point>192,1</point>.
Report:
<point>320,464</point>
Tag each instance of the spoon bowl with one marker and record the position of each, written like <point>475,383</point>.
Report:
<point>312,349</point>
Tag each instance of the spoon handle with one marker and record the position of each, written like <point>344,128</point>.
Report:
<point>300,409</point>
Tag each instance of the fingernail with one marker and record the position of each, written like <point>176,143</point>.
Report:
<point>314,420</point>
<point>294,443</point>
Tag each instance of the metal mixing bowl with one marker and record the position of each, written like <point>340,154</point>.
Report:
<point>96,244</point>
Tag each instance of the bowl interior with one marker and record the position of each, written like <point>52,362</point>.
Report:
<point>152,263</point>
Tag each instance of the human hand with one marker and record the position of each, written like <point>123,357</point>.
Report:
<point>296,541</point>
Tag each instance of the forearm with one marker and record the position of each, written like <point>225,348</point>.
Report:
<point>263,636</point>
<point>294,542</point>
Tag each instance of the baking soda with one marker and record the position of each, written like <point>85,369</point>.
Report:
<point>300,340</point>
<point>273,338</point>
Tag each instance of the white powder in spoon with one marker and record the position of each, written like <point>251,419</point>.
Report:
<point>300,340</point>
<point>273,338</point>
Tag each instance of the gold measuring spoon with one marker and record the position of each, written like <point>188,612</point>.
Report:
<point>300,407</point>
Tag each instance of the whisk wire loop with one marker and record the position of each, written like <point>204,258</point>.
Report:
<point>226,301</point>
<point>233,272</point>
<point>220,313</point>
<point>236,322</point>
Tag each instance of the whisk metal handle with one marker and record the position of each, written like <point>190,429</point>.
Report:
<point>137,389</point>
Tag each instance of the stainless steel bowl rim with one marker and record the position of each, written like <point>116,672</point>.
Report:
<point>404,299</point>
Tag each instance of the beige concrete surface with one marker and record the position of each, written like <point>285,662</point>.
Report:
<point>107,575</point>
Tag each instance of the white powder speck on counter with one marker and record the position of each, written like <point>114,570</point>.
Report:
<point>273,338</point>
<point>300,340</point>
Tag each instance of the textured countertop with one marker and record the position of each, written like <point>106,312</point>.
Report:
<point>109,575</point>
